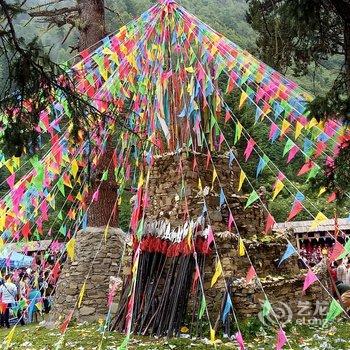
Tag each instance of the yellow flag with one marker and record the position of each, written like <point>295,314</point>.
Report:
<point>81,294</point>
<point>242,177</point>
<point>285,126</point>
<point>9,165</point>
<point>10,336</point>
<point>320,217</point>
<point>75,168</point>
<point>241,249</point>
<point>189,69</point>
<point>212,335</point>
<point>1,242</point>
<point>215,175</point>
<point>141,180</point>
<point>312,122</point>
<point>79,197</point>
<point>278,188</point>
<point>200,185</point>
<point>70,247</point>
<point>106,232</point>
<point>16,161</point>
<point>217,273</point>
<point>189,237</point>
<point>39,306</point>
<point>322,190</point>
<point>243,98</point>
<point>298,128</point>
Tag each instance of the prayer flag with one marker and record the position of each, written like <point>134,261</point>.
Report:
<point>310,278</point>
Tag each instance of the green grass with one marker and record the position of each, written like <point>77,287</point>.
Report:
<point>88,337</point>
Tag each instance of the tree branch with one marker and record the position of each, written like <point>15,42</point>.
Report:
<point>54,12</point>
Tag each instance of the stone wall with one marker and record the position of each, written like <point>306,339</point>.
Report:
<point>97,260</point>
<point>165,194</point>
<point>282,284</point>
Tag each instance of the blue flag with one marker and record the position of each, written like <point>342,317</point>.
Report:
<point>261,166</point>
<point>289,251</point>
<point>222,197</point>
<point>227,309</point>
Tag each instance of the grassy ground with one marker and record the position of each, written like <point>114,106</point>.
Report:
<point>88,337</point>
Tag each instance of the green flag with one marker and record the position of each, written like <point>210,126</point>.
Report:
<point>335,310</point>
<point>105,175</point>
<point>60,186</point>
<point>346,250</point>
<point>266,308</point>
<point>124,344</point>
<point>252,198</point>
<point>288,146</point>
<point>313,172</point>
<point>202,308</point>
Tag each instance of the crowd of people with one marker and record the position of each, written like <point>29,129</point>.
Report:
<point>311,255</point>
<point>26,293</point>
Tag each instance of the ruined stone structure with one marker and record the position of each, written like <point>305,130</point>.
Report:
<point>96,261</point>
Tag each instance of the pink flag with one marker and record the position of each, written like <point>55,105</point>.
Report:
<point>248,151</point>
<point>309,279</point>
<point>95,196</point>
<point>294,150</point>
<point>240,340</point>
<point>230,222</point>
<point>337,250</point>
<point>210,238</point>
<point>273,130</point>
<point>281,339</point>
<point>11,180</point>
<point>251,274</point>
<point>221,139</point>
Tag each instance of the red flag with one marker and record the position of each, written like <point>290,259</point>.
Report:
<point>321,146</point>
<point>26,230</point>
<point>251,274</point>
<point>332,197</point>
<point>337,250</point>
<point>194,164</point>
<point>306,167</point>
<point>3,307</point>
<point>64,325</point>
<point>195,278</point>
<point>297,208</point>
<point>270,221</point>
<point>208,159</point>
<point>227,116</point>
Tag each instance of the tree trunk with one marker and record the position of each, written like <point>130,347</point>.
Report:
<point>347,54</point>
<point>342,7</point>
<point>92,27</point>
<point>104,210</point>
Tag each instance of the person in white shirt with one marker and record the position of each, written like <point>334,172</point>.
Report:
<point>342,272</point>
<point>8,295</point>
<point>347,276</point>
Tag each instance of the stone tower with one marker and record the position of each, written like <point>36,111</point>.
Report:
<point>166,297</point>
